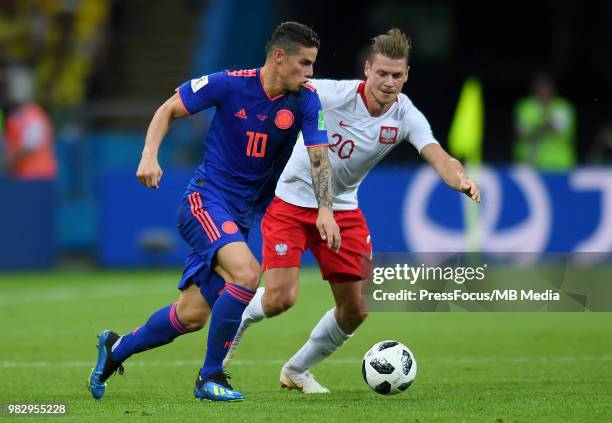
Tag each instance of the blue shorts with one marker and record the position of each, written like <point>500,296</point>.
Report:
<point>206,225</point>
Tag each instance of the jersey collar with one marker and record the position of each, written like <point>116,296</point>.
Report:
<point>361,92</point>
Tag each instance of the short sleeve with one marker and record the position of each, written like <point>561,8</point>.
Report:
<point>416,128</point>
<point>333,93</point>
<point>313,123</point>
<point>204,92</point>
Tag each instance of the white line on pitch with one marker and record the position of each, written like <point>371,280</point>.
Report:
<point>465,360</point>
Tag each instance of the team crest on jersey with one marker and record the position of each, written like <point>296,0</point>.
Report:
<point>281,249</point>
<point>284,119</point>
<point>196,84</point>
<point>229,227</point>
<point>388,135</point>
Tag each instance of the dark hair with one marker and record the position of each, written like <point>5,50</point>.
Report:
<point>290,36</point>
<point>393,44</point>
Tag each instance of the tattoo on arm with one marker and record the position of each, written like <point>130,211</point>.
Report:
<point>321,176</point>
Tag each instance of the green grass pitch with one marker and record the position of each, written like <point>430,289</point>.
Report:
<point>495,367</point>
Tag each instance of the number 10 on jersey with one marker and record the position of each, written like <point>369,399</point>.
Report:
<point>257,144</point>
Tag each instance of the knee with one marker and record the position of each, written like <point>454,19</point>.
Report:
<point>193,319</point>
<point>277,301</point>
<point>247,276</point>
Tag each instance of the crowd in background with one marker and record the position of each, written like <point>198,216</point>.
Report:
<point>49,50</point>
<point>59,40</point>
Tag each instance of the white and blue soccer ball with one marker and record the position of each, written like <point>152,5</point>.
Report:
<point>389,367</point>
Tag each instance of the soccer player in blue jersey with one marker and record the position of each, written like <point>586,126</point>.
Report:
<point>259,113</point>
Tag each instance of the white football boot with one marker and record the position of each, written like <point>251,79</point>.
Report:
<point>305,381</point>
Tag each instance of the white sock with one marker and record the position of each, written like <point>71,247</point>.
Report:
<point>254,311</point>
<point>324,339</point>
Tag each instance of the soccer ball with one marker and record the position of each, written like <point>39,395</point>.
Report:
<point>389,367</point>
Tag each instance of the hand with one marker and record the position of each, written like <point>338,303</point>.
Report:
<point>328,228</point>
<point>469,187</point>
<point>149,172</point>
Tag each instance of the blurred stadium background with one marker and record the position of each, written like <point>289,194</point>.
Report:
<point>102,67</point>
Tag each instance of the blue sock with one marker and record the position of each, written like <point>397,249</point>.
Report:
<point>224,323</point>
<point>161,329</point>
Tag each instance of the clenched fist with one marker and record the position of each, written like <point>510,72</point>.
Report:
<point>149,172</point>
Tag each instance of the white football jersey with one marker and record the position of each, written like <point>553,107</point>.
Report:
<point>358,141</point>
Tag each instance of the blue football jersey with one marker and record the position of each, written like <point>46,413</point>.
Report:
<point>250,138</point>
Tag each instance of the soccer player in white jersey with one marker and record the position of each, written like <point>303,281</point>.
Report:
<point>365,120</point>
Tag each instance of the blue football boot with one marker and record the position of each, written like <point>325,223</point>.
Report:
<point>105,367</point>
<point>216,388</point>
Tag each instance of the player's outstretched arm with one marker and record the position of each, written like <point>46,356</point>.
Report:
<point>450,170</point>
<point>321,183</point>
<point>149,171</point>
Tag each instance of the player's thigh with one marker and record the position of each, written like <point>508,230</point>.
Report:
<point>238,262</point>
<point>284,233</point>
<point>192,309</point>
<point>354,260</point>
<point>282,286</point>
<point>217,243</point>
<point>285,236</point>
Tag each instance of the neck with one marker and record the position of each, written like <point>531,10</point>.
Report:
<point>271,81</point>
<point>375,108</point>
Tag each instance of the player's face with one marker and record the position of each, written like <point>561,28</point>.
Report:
<point>296,69</point>
<point>385,77</point>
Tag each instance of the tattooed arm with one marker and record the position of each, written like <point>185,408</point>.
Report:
<point>320,169</point>
<point>321,176</point>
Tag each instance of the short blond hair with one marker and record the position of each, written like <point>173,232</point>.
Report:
<point>393,44</point>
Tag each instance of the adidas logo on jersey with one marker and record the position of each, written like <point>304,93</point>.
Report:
<point>241,114</point>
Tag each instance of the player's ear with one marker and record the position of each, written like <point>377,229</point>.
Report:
<point>407,72</point>
<point>366,68</point>
<point>278,55</point>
